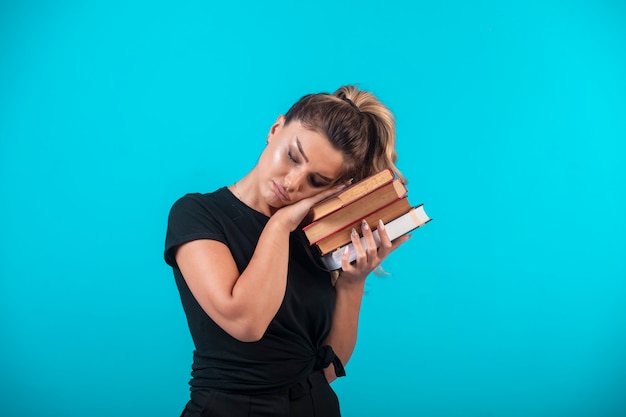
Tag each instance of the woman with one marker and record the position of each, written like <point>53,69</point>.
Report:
<point>271,329</point>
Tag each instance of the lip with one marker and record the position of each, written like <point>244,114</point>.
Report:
<point>280,192</point>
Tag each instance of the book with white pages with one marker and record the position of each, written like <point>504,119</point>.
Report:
<point>414,218</point>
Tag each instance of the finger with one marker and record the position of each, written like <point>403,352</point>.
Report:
<point>327,193</point>
<point>385,242</point>
<point>361,256</point>
<point>345,260</point>
<point>369,240</point>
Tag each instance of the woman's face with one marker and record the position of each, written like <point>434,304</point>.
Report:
<point>297,163</point>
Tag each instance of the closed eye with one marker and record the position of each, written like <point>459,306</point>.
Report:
<point>316,183</point>
<point>314,180</point>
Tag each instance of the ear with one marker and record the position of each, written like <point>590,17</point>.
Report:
<point>278,124</point>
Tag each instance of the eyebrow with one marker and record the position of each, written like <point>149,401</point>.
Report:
<point>299,145</point>
<point>300,149</point>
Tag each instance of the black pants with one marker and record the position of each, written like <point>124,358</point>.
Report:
<point>312,397</point>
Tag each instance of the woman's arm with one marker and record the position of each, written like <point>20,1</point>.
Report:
<point>349,288</point>
<point>244,304</point>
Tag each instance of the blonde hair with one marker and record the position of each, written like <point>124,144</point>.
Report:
<point>357,124</point>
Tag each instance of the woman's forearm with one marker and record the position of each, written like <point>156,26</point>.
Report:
<point>260,289</point>
<point>343,334</point>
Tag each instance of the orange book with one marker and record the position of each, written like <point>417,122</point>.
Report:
<point>355,211</point>
<point>385,213</point>
<point>350,194</point>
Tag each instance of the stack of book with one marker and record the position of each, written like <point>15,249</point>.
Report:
<point>381,196</point>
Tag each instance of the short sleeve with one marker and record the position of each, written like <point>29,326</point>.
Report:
<point>190,218</point>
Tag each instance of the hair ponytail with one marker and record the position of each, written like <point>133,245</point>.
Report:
<point>382,126</point>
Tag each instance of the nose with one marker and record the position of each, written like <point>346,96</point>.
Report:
<point>294,180</point>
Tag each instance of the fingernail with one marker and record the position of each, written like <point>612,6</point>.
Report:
<point>355,234</point>
<point>381,225</point>
<point>364,225</point>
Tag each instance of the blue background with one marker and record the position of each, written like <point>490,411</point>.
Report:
<point>511,129</point>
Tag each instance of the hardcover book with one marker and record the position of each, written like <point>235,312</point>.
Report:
<point>342,236</point>
<point>355,210</point>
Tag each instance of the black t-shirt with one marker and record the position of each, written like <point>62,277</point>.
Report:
<point>293,341</point>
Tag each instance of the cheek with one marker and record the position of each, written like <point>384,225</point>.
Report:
<point>270,160</point>
<point>276,158</point>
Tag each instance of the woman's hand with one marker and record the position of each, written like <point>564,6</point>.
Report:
<point>293,214</point>
<point>369,257</point>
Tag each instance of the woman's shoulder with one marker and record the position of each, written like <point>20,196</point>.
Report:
<point>201,205</point>
<point>218,196</point>
<point>195,216</point>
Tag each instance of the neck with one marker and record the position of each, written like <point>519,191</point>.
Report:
<point>247,190</point>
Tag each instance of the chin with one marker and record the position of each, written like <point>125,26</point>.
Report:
<point>273,202</point>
